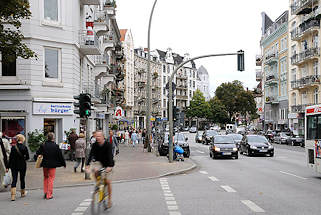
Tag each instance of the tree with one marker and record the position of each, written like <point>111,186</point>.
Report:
<point>11,14</point>
<point>198,107</point>
<point>218,112</point>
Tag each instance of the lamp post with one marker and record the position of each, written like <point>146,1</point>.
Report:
<point>170,97</point>
<point>148,111</point>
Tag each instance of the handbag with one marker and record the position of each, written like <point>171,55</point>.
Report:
<point>39,161</point>
<point>7,179</point>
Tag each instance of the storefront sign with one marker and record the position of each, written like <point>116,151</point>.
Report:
<point>313,110</point>
<point>52,108</point>
<point>119,112</point>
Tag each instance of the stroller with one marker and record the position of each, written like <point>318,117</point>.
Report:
<point>178,153</point>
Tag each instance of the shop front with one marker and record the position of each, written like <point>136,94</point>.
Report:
<point>13,123</point>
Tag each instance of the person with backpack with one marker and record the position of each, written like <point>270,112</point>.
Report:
<point>17,163</point>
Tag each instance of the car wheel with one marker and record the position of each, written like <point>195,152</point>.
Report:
<point>271,154</point>
<point>188,153</point>
<point>236,157</point>
<point>248,152</point>
<point>213,156</point>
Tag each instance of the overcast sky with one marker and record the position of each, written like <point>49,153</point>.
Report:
<point>203,27</point>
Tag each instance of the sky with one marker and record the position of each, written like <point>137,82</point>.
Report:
<point>203,27</point>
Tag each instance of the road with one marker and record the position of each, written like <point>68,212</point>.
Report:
<point>250,185</point>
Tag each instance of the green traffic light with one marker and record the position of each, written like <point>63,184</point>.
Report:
<point>87,112</point>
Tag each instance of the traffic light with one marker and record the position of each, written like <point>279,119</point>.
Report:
<point>240,60</point>
<point>84,105</point>
<point>175,113</point>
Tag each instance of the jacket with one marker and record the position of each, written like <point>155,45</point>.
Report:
<point>80,147</point>
<point>114,144</point>
<point>103,154</point>
<point>72,140</point>
<point>52,156</point>
<point>17,161</point>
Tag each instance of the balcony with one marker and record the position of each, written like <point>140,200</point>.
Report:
<point>305,82</point>
<point>181,86</point>
<point>108,41</point>
<point>259,76</point>
<point>181,97</point>
<point>302,7</point>
<point>90,2</point>
<point>141,71</point>
<point>141,84</point>
<point>88,43</point>
<point>271,59</point>
<point>181,76</point>
<point>304,29</point>
<point>101,22</point>
<point>271,100</point>
<point>101,60</point>
<point>110,6</point>
<point>258,60</point>
<point>306,55</point>
<point>271,80</point>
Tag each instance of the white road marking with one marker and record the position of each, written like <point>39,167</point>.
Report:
<point>81,209</point>
<point>213,178</point>
<point>287,173</point>
<point>87,200</point>
<point>168,194</point>
<point>85,204</point>
<point>252,206</point>
<point>174,213</point>
<point>77,213</point>
<point>171,202</point>
<point>200,151</point>
<point>165,188</point>
<point>170,198</point>
<point>204,172</point>
<point>167,191</point>
<point>228,189</point>
<point>172,207</point>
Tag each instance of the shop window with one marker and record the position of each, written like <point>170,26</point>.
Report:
<point>13,126</point>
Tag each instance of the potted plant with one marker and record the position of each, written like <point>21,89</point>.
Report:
<point>35,139</point>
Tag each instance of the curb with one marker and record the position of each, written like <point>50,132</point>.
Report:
<point>178,172</point>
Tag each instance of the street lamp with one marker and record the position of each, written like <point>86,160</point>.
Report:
<point>148,115</point>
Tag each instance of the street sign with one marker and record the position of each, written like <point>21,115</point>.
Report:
<point>119,112</point>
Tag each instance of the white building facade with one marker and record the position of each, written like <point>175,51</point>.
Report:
<point>203,82</point>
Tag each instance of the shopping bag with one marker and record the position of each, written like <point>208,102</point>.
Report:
<point>39,161</point>
<point>7,179</point>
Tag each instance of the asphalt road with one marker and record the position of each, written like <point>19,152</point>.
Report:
<point>250,185</point>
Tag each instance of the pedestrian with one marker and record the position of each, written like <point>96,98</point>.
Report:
<point>143,137</point>
<point>134,138</point>
<point>93,137</point>
<point>17,163</point>
<point>139,136</point>
<point>126,137</point>
<point>72,140</point>
<point>112,139</point>
<point>80,147</point>
<point>52,158</point>
<point>4,155</point>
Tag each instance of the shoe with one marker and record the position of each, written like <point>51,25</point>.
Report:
<point>23,193</point>
<point>13,194</point>
<point>49,198</point>
<point>75,169</point>
<point>45,196</point>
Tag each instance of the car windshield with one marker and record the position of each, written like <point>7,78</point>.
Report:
<point>211,133</point>
<point>283,135</point>
<point>223,139</point>
<point>179,137</point>
<point>257,139</point>
<point>236,136</point>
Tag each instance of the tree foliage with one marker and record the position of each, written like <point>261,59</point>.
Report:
<point>11,14</point>
<point>198,107</point>
<point>218,112</point>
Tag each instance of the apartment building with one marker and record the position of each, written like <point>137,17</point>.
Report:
<point>258,93</point>
<point>140,99</point>
<point>304,21</point>
<point>203,82</point>
<point>274,44</point>
<point>78,49</point>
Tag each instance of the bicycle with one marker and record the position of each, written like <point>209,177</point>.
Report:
<point>100,194</point>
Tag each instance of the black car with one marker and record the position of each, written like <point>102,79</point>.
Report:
<point>237,138</point>
<point>256,145</point>
<point>223,145</point>
<point>297,140</point>
<point>179,139</point>
<point>208,136</point>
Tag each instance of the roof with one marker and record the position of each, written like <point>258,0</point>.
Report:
<point>202,70</point>
<point>177,58</point>
<point>122,34</point>
<point>162,54</point>
<point>266,22</point>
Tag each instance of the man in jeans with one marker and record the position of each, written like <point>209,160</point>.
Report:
<point>102,151</point>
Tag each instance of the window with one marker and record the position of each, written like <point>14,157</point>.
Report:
<point>293,99</point>
<point>293,49</point>
<point>193,74</point>
<point>164,103</point>
<point>293,75</point>
<point>190,93</point>
<point>284,44</point>
<point>51,63</point>
<point>304,71</point>
<point>51,10</point>
<point>164,79</point>
<point>8,65</point>
<point>315,96</point>
<point>314,127</point>
<point>193,84</point>
<point>315,41</point>
<point>316,68</point>
<point>164,69</point>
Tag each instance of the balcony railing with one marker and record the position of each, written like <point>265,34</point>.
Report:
<point>271,58</point>
<point>305,82</point>
<point>258,75</point>
<point>299,6</point>
<point>101,60</point>
<point>271,100</point>
<point>305,27</point>
<point>181,76</point>
<point>108,41</point>
<point>101,16</point>
<point>271,79</point>
<point>258,60</point>
<point>88,42</point>
<point>305,55</point>
<point>90,2</point>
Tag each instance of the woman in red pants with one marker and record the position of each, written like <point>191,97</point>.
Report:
<point>52,158</point>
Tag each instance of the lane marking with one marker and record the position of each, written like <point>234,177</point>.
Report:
<point>168,194</point>
<point>170,198</point>
<point>165,188</point>
<point>200,151</point>
<point>77,213</point>
<point>252,206</point>
<point>81,209</point>
<point>287,173</point>
<point>213,178</point>
<point>174,213</point>
<point>204,172</point>
<point>85,204</point>
<point>167,191</point>
<point>172,207</point>
<point>87,200</point>
<point>228,189</point>
<point>171,202</point>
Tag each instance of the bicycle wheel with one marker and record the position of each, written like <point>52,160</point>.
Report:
<point>95,202</point>
<point>105,198</point>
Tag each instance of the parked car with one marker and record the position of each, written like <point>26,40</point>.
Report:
<point>223,145</point>
<point>198,137</point>
<point>179,139</point>
<point>208,135</point>
<point>297,140</point>
<point>237,138</point>
<point>193,130</point>
<point>186,129</point>
<point>255,145</point>
<point>282,138</point>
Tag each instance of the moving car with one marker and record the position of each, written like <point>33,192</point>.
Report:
<point>223,145</point>
<point>237,138</point>
<point>192,130</point>
<point>297,140</point>
<point>198,137</point>
<point>179,139</point>
<point>256,145</point>
<point>282,138</point>
<point>208,135</point>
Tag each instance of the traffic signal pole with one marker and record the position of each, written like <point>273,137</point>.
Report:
<point>240,67</point>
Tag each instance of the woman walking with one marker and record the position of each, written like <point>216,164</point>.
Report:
<point>52,158</point>
<point>17,163</point>
<point>80,147</point>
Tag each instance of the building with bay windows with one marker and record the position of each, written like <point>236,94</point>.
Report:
<point>78,48</point>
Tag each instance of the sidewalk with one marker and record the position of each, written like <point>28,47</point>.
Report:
<point>130,164</point>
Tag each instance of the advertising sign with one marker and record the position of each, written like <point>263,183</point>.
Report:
<point>119,112</point>
<point>52,108</point>
<point>318,148</point>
